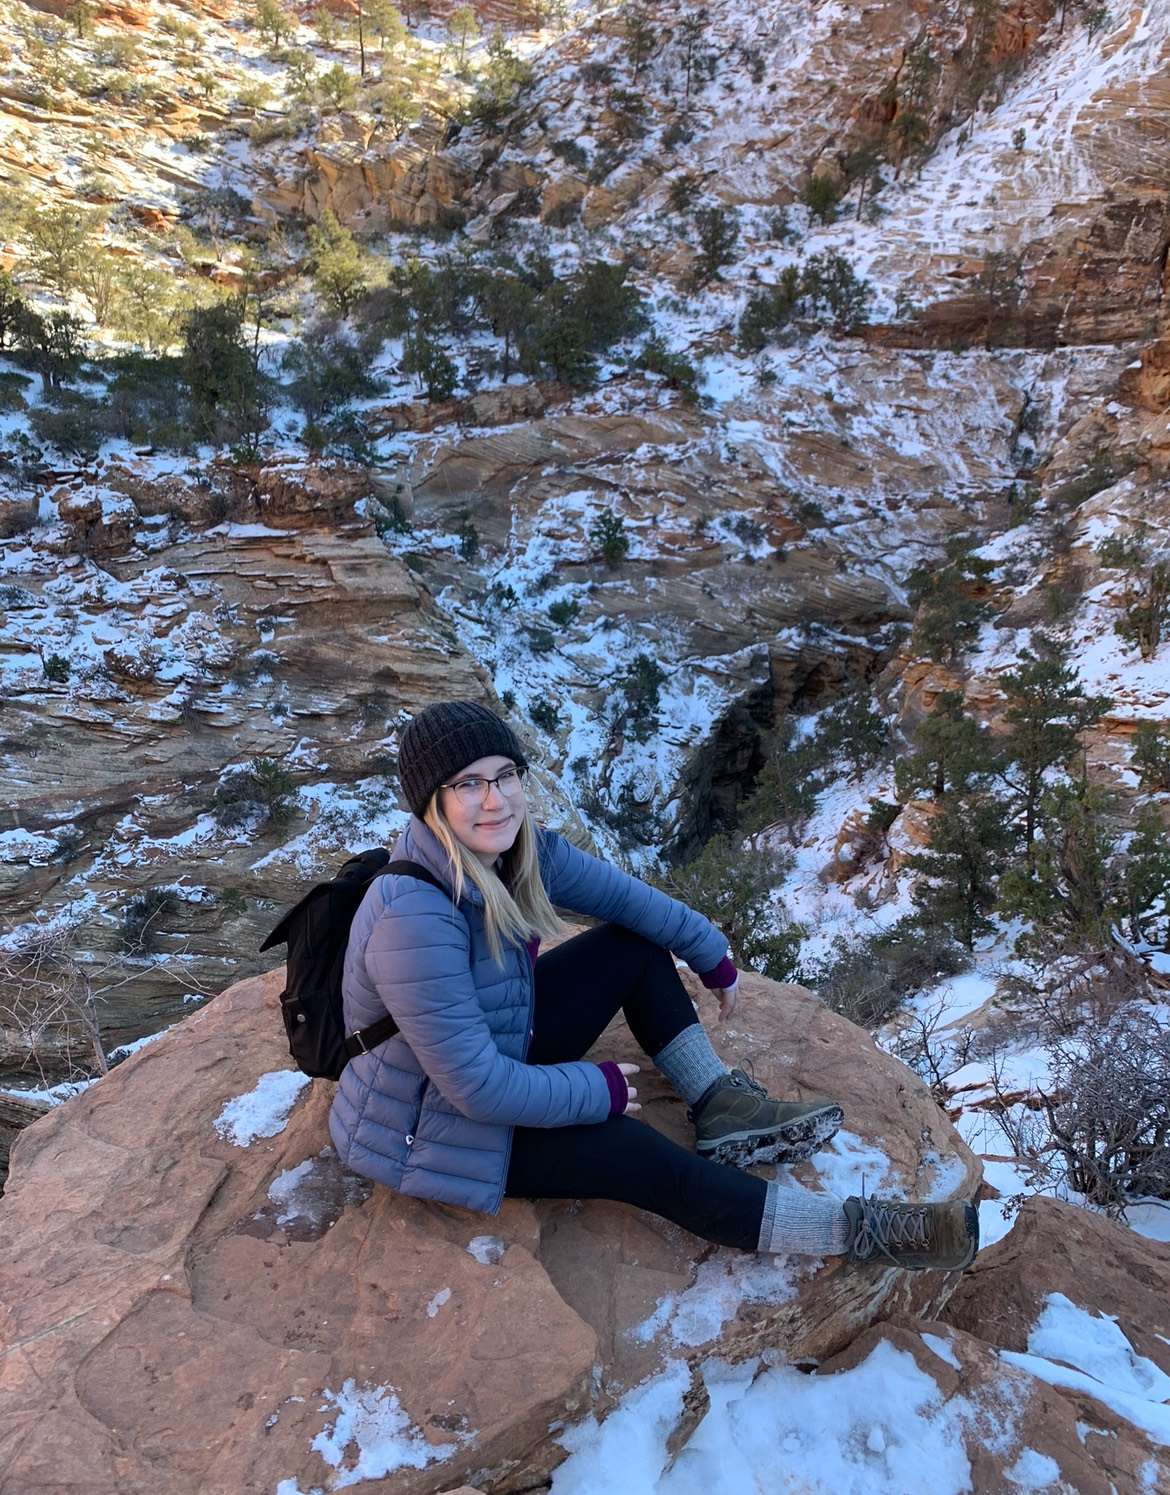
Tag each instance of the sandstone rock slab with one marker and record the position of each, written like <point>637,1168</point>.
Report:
<point>179,1310</point>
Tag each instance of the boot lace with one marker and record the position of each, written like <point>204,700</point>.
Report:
<point>744,1078</point>
<point>886,1226</point>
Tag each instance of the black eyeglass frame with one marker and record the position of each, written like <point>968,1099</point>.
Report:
<point>520,770</point>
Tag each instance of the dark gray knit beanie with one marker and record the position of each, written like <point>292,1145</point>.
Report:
<point>446,737</point>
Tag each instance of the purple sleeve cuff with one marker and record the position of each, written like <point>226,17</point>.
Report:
<point>724,975</point>
<point>619,1091</point>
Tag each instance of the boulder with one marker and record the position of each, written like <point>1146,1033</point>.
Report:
<point>197,1297</point>
<point>1060,1248</point>
<point>1014,1430</point>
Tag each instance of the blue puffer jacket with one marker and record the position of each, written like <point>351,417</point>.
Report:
<point>430,1111</point>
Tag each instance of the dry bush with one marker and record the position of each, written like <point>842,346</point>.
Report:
<point>1110,1111</point>
<point>48,1009</point>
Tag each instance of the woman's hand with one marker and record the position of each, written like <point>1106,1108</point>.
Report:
<point>631,1105</point>
<point>728,996</point>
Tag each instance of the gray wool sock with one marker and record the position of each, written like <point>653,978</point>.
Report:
<point>690,1063</point>
<point>802,1223</point>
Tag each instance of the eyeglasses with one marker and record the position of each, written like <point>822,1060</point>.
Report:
<point>475,791</point>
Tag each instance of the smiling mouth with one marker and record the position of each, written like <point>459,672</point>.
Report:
<point>494,825</point>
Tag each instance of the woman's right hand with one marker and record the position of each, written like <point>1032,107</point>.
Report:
<point>631,1104</point>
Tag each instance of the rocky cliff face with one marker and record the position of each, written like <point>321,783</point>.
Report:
<point>285,633</point>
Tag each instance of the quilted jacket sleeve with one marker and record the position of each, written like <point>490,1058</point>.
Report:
<point>419,957</point>
<point>586,885</point>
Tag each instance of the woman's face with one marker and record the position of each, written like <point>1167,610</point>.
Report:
<point>486,826</point>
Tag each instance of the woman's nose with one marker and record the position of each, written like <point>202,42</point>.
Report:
<point>494,794</point>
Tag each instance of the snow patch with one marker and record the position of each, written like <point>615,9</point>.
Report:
<point>487,1249</point>
<point>723,1282</point>
<point>375,1434</point>
<point>264,1110</point>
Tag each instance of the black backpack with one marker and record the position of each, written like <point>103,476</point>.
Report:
<point>317,933</point>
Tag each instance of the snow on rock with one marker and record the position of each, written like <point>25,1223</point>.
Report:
<point>264,1110</point>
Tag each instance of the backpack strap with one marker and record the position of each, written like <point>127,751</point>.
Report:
<point>369,1038</point>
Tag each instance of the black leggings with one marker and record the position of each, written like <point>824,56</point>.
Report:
<point>580,987</point>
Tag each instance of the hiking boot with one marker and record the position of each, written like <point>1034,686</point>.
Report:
<point>918,1237</point>
<point>737,1122</point>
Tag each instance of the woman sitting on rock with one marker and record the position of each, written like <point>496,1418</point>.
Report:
<point>483,1092</point>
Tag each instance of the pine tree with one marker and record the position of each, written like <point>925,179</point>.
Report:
<point>640,37</point>
<point>951,607</point>
<point>13,308</point>
<point>718,233</point>
<point>971,839</point>
<point>952,751</point>
<point>1071,889</point>
<point>688,38</point>
<point>853,728</point>
<point>734,887</point>
<point>339,276</point>
<point>1047,710</point>
<point>463,27</point>
<point>1147,878</point>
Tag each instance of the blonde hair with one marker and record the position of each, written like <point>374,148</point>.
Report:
<point>518,915</point>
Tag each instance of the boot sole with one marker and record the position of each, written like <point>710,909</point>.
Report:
<point>795,1142</point>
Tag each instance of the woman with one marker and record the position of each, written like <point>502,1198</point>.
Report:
<point>483,1092</point>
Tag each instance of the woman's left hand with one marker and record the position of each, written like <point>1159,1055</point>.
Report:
<point>727,997</point>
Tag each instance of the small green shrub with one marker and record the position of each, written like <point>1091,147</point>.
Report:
<point>564,612</point>
<point>572,153</point>
<point>12,391</point>
<point>503,596</point>
<point>676,368</point>
<point>541,640</point>
<point>871,979</point>
<point>232,901</point>
<point>544,715</point>
<point>391,517</point>
<point>608,533</point>
<point>263,790</point>
<point>56,668</point>
<point>1151,754</point>
<point>137,933</point>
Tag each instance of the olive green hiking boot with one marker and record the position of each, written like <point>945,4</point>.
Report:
<point>737,1122</point>
<point>918,1237</point>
